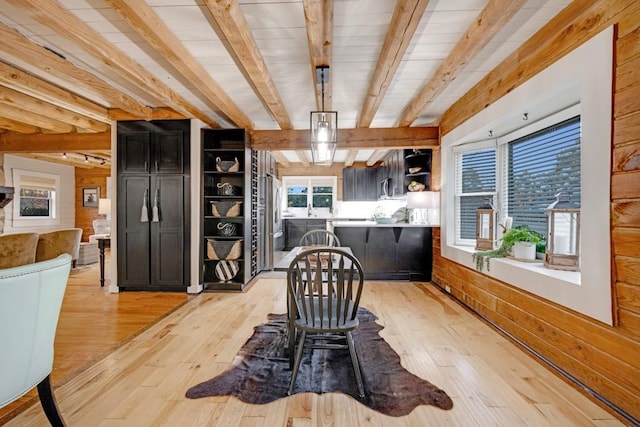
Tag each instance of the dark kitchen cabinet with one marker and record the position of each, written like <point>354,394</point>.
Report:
<point>139,154</point>
<point>152,173</point>
<point>395,173</point>
<point>361,184</point>
<point>348,184</point>
<point>390,253</point>
<point>295,228</point>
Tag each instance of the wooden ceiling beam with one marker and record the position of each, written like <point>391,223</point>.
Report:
<point>280,158</point>
<point>319,21</point>
<point>495,15</point>
<point>21,115</point>
<point>351,157</point>
<point>376,156</point>
<point>146,22</point>
<point>17,79</point>
<point>54,143</point>
<point>16,126</point>
<point>231,22</point>
<point>73,161</point>
<point>18,46</point>
<point>297,169</point>
<point>302,156</point>
<point>159,113</point>
<point>349,139</point>
<point>404,23</point>
<point>20,100</point>
<point>68,25</point>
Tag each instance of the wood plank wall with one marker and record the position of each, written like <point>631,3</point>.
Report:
<point>606,359</point>
<point>95,177</point>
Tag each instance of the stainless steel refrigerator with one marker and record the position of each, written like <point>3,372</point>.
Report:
<point>270,234</point>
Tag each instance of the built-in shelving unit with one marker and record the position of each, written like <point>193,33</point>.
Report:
<point>417,167</point>
<point>223,229</point>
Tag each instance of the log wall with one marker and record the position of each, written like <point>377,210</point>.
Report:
<point>95,177</point>
<point>606,359</point>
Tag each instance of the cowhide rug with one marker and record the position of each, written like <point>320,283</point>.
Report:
<point>261,374</point>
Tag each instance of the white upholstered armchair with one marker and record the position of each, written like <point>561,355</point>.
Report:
<point>101,229</point>
<point>30,300</point>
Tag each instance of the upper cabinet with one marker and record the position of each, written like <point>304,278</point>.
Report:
<point>362,184</point>
<point>152,151</point>
<point>395,166</point>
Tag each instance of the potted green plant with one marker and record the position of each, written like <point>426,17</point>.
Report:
<point>515,235</point>
<point>541,248</point>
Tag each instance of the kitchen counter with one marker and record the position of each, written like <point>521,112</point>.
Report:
<point>398,251</point>
<point>343,223</point>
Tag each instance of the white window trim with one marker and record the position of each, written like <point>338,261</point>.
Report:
<point>474,146</point>
<point>583,77</point>
<point>25,221</point>
<point>309,181</point>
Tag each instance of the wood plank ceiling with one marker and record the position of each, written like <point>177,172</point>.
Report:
<point>70,67</point>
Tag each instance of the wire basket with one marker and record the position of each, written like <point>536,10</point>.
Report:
<point>224,249</point>
<point>227,229</point>
<point>227,189</point>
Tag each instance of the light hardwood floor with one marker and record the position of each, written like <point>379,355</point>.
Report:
<point>491,381</point>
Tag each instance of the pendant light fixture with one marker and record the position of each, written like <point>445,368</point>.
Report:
<point>324,126</point>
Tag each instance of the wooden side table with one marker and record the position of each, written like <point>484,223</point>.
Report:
<point>103,242</point>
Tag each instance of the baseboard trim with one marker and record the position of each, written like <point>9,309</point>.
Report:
<point>586,389</point>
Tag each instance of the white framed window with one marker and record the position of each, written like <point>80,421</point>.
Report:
<point>317,192</point>
<point>476,182</point>
<point>519,175</point>
<point>35,202</point>
<point>540,165</point>
<point>582,80</point>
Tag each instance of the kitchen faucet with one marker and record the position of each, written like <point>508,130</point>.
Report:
<point>309,210</point>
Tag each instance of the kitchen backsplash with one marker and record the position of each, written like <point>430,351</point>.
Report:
<point>348,209</point>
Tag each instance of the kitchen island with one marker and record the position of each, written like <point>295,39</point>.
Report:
<point>399,251</point>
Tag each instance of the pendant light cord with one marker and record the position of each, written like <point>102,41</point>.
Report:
<point>322,83</point>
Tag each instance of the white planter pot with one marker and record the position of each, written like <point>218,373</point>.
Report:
<point>524,250</point>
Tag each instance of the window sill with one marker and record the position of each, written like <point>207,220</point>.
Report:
<point>530,276</point>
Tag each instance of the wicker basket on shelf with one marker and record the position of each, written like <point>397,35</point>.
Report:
<point>227,165</point>
<point>224,249</point>
<point>226,208</point>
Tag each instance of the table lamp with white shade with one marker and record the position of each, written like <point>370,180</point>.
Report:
<point>425,207</point>
<point>104,208</point>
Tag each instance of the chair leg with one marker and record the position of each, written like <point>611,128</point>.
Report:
<point>356,365</point>
<point>292,333</point>
<point>48,402</point>
<point>296,363</point>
